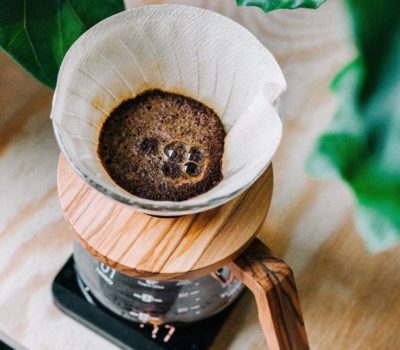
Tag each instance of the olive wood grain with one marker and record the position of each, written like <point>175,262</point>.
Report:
<point>140,245</point>
<point>272,283</point>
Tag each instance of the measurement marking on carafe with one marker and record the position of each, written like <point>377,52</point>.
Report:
<point>150,284</point>
<point>105,277</point>
<point>184,283</point>
<point>147,298</point>
<point>182,310</point>
<point>187,294</point>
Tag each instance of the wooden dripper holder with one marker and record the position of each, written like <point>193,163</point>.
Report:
<point>189,246</point>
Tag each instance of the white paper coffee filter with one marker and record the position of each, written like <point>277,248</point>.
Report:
<point>182,49</point>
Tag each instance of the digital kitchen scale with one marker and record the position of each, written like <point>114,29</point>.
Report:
<point>79,304</point>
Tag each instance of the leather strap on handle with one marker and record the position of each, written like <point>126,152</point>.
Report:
<point>272,283</point>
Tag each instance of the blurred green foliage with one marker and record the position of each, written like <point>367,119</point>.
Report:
<point>362,143</point>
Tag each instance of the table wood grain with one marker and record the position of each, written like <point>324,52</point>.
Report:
<point>350,298</point>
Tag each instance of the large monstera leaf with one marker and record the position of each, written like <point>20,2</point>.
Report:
<point>37,34</point>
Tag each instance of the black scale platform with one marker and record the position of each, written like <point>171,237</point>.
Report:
<point>129,335</point>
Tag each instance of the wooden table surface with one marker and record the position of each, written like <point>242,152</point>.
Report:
<point>350,299</point>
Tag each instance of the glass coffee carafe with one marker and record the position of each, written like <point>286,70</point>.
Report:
<point>156,302</point>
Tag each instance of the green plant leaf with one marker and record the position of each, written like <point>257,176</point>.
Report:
<point>362,143</point>
<point>270,5</point>
<point>37,34</point>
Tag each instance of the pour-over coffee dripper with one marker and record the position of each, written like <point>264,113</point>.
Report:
<point>181,49</point>
<point>128,54</point>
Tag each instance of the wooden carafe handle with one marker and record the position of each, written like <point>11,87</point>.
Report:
<point>272,283</point>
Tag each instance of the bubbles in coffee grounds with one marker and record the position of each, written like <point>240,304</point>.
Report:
<point>176,151</point>
<point>163,146</point>
<point>196,154</point>
<point>192,169</point>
